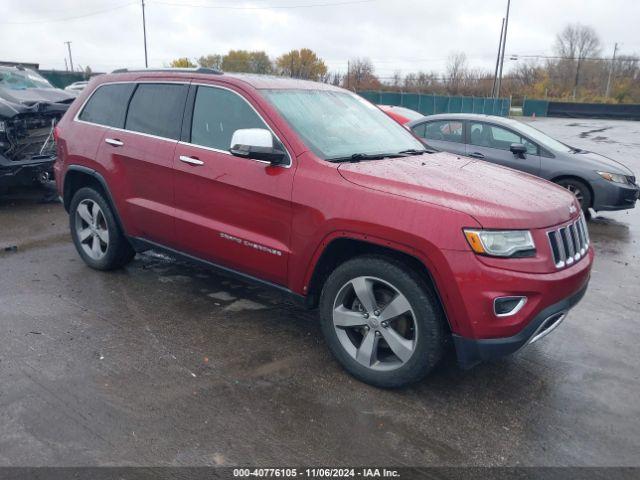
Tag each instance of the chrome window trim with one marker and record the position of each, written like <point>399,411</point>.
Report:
<point>178,141</point>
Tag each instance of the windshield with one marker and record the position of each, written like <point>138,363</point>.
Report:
<point>22,80</point>
<point>542,138</point>
<point>337,124</point>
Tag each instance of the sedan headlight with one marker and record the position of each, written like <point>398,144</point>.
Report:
<point>501,243</point>
<point>613,177</point>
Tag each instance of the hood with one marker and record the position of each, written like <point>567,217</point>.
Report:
<point>496,197</point>
<point>598,162</point>
<point>30,96</point>
<point>33,100</point>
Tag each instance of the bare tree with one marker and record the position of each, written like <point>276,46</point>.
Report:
<point>396,80</point>
<point>457,72</point>
<point>575,44</point>
<point>361,75</point>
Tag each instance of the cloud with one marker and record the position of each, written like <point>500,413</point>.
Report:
<point>406,35</point>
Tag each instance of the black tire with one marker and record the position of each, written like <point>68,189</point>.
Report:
<point>118,251</point>
<point>432,335</point>
<point>573,185</point>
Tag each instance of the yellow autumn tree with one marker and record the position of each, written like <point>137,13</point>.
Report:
<point>303,63</point>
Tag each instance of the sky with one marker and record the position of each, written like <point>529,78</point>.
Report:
<point>397,35</point>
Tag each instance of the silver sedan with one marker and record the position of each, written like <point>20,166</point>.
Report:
<point>597,181</point>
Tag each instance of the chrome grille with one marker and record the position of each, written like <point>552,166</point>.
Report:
<point>569,243</point>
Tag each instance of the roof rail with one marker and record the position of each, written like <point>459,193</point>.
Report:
<point>211,71</point>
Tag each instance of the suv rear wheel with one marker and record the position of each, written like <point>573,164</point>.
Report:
<point>381,321</point>
<point>95,232</point>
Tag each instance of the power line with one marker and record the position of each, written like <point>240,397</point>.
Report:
<point>266,7</point>
<point>556,57</point>
<point>65,19</point>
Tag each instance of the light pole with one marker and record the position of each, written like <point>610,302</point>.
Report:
<point>504,43</point>
<point>144,33</point>
<point>495,75</point>
<point>70,58</point>
<point>611,67</point>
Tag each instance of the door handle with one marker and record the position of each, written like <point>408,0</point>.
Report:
<point>190,160</point>
<point>114,141</point>
<point>476,155</point>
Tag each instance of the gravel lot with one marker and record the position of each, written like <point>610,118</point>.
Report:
<point>169,364</point>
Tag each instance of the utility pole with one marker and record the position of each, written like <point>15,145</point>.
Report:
<point>495,75</point>
<point>70,58</point>
<point>611,67</point>
<point>504,44</point>
<point>144,33</point>
<point>577,80</point>
<point>348,79</point>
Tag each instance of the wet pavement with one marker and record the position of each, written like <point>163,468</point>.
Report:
<point>164,363</point>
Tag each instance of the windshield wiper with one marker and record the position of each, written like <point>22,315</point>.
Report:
<point>356,157</point>
<point>414,151</point>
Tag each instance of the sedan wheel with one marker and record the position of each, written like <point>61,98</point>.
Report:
<point>91,229</point>
<point>576,191</point>
<point>580,190</point>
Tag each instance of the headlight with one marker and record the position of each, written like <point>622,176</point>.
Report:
<point>613,177</point>
<point>2,126</point>
<point>505,243</point>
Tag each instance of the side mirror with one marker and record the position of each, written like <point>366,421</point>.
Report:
<point>518,149</point>
<point>257,144</point>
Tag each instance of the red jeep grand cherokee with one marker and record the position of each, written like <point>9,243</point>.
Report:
<point>312,190</point>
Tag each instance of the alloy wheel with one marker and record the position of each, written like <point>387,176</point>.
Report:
<point>576,192</point>
<point>91,229</point>
<point>375,323</point>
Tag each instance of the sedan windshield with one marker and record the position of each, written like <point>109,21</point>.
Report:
<point>337,124</point>
<point>541,138</point>
<point>22,80</point>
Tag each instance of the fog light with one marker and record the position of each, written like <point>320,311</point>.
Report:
<point>507,306</point>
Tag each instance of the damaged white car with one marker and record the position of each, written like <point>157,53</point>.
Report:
<point>29,109</point>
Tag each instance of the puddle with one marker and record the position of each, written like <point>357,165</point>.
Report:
<point>595,130</point>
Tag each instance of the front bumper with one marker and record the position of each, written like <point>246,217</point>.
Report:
<point>473,351</point>
<point>614,196</point>
<point>23,171</point>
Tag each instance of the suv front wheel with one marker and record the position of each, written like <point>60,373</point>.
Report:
<point>95,232</point>
<point>382,322</point>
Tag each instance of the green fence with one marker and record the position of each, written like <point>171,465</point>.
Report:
<point>61,79</point>
<point>537,107</point>
<point>431,104</point>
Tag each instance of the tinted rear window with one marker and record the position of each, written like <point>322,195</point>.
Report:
<point>157,109</point>
<point>108,105</point>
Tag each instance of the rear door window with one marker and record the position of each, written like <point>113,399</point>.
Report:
<point>217,113</point>
<point>157,109</point>
<point>108,105</point>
